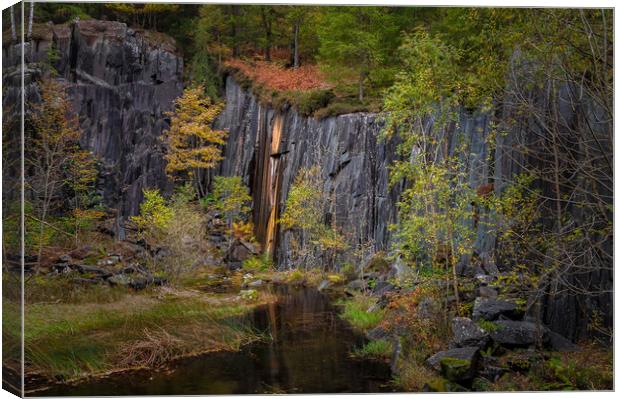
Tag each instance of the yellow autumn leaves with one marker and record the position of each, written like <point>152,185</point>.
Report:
<point>193,143</point>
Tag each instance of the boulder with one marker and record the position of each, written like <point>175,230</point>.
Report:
<point>131,269</point>
<point>469,354</point>
<point>382,287</point>
<point>80,253</point>
<point>468,333</point>
<point>561,344</point>
<point>119,279</point>
<point>256,283</point>
<point>141,283</point>
<point>111,260</point>
<point>457,370</point>
<point>485,291</point>
<point>484,279</point>
<point>440,384</point>
<point>323,285</point>
<point>232,266</point>
<point>491,309</point>
<point>457,364</point>
<point>84,269</point>
<point>517,333</point>
<point>216,237</point>
<point>64,259</point>
<point>490,368</point>
<point>357,285</point>
<point>238,252</point>
<point>86,281</point>
<point>377,333</point>
<point>61,268</point>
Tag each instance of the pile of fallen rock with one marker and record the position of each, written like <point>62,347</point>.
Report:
<point>496,324</point>
<point>233,250</point>
<point>110,270</point>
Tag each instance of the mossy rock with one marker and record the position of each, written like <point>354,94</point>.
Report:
<point>440,384</point>
<point>456,370</point>
<point>480,384</point>
<point>335,278</point>
<point>378,263</point>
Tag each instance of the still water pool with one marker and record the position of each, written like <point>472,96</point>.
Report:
<point>309,353</point>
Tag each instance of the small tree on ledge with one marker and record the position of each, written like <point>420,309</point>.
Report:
<point>193,144</point>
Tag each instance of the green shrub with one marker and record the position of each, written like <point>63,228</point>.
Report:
<point>571,374</point>
<point>309,102</point>
<point>296,277</point>
<point>489,326</point>
<point>259,263</point>
<point>348,270</point>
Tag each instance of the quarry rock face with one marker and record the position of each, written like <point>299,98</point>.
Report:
<point>120,82</point>
<point>268,146</point>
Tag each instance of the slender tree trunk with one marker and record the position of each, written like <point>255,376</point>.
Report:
<point>296,45</point>
<point>455,278</point>
<point>268,34</point>
<point>361,85</point>
<point>77,224</point>
<point>234,31</point>
<point>13,30</point>
<point>30,19</point>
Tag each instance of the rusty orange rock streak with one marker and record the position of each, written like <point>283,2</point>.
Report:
<point>272,184</point>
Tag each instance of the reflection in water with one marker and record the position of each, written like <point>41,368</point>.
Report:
<point>309,353</point>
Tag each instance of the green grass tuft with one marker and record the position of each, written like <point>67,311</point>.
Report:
<point>356,313</point>
<point>379,349</point>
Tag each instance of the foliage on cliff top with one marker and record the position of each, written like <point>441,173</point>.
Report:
<point>276,77</point>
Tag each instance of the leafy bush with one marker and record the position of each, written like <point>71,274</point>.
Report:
<point>303,215</point>
<point>230,196</point>
<point>176,226</point>
<point>577,374</point>
<point>296,277</point>
<point>309,102</point>
<point>259,263</point>
<point>154,213</point>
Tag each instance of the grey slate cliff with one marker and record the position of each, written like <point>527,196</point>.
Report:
<point>268,147</point>
<point>120,82</point>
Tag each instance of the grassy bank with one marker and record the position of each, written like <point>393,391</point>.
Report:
<point>356,312</point>
<point>422,331</point>
<point>107,329</point>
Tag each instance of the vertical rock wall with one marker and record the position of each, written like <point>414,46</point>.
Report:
<point>268,147</point>
<point>120,82</point>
